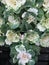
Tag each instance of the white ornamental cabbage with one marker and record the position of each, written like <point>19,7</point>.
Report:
<point>44,41</point>
<point>13,23</point>
<point>23,56</point>
<point>13,4</point>
<point>32,36</point>
<point>11,37</point>
<point>46,5</point>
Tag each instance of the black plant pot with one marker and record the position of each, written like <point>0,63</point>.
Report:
<point>4,56</point>
<point>42,60</point>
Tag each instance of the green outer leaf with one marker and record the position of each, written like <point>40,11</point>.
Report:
<point>31,62</point>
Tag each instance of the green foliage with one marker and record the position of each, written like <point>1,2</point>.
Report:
<point>32,62</point>
<point>21,21</point>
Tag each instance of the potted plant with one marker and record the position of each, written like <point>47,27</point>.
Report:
<point>24,28</point>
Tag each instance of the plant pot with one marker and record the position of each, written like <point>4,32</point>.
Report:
<point>4,55</point>
<point>43,58</point>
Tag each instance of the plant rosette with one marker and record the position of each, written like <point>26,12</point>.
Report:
<point>44,40</point>
<point>22,54</point>
<point>24,28</point>
<point>43,25</point>
<point>13,4</point>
